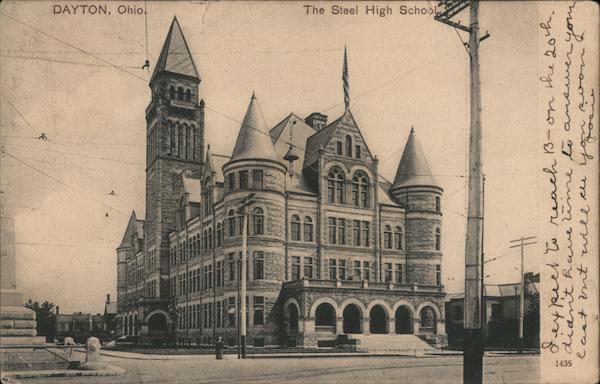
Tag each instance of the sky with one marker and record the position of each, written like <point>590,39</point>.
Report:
<point>78,79</point>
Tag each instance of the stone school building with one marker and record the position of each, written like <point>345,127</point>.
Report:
<point>332,247</point>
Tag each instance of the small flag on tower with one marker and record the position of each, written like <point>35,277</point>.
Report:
<point>346,82</point>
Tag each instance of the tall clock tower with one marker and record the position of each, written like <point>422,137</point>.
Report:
<point>174,147</point>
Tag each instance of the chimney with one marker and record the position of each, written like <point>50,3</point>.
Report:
<point>316,120</point>
<point>108,298</point>
<point>57,310</point>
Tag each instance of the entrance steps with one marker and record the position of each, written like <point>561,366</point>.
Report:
<point>29,358</point>
<point>391,343</point>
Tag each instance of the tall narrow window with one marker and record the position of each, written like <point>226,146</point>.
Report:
<point>230,182</point>
<point>366,270</point>
<point>438,204</point>
<point>332,230</point>
<point>308,229</point>
<point>388,272</point>
<point>357,274</point>
<point>398,238</point>
<point>219,274</point>
<point>341,231</point>
<point>171,92</point>
<point>180,141</point>
<point>257,179</point>
<point>259,265</point>
<point>332,269</point>
<point>308,267</point>
<point>168,138</point>
<point>219,234</point>
<point>243,180</point>
<point>231,315</point>
<point>180,93</point>
<point>295,228</point>
<point>188,143</point>
<point>357,151</point>
<point>348,146</point>
<point>231,223</point>
<point>342,272</point>
<point>231,267</point>
<point>259,310</point>
<point>365,234</point>
<point>387,237</point>
<point>188,95</point>
<point>356,232</point>
<point>295,268</point>
<point>258,221</point>
<point>338,148</point>
<point>438,239</point>
<point>438,275</point>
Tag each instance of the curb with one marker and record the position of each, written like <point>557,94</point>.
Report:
<point>112,371</point>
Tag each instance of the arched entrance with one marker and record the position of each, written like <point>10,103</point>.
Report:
<point>352,319</point>
<point>157,324</point>
<point>325,316</point>
<point>293,318</point>
<point>403,320</point>
<point>378,320</point>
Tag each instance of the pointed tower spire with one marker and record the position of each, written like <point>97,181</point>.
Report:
<point>413,169</point>
<point>175,56</point>
<point>346,81</point>
<point>254,141</point>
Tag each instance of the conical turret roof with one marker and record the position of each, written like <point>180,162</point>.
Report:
<point>254,141</point>
<point>175,56</point>
<point>413,169</point>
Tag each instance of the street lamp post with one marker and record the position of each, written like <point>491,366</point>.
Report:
<point>243,210</point>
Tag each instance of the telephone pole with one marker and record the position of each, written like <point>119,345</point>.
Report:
<point>472,344</point>
<point>522,243</point>
<point>243,210</point>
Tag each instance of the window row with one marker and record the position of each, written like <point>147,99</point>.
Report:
<point>338,229</point>
<point>301,231</point>
<point>180,93</point>
<point>336,188</point>
<point>220,314</point>
<point>340,269</point>
<point>215,276</point>
<point>235,222</point>
<point>241,180</point>
<point>180,140</point>
<point>302,268</point>
<point>393,240</point>
<point>339,148</point>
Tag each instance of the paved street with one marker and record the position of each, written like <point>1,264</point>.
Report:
<point>204,369</point>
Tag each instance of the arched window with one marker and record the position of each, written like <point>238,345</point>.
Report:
<point>295,228</point>
<point>188,143</point>
<point>360,189</point>
<point>438,239</point>
<point>182,141</point>
<point>335,186</point>
<point>348,146</point>
<point>169,137</point>
<point>398,238</point>
<point>180,93</point>
<point>387,237</point>
<point>177,139</point>
<point>308,229</point>
<point>258,221</point>
<point>192,142</point>
<point>171,92</point>
<point>188,95</point>
<point>231,223</point>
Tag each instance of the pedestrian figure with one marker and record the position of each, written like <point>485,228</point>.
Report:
<point>219,348</point>
<point>43,137</point>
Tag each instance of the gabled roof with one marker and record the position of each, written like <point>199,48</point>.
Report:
<point>175,56</point>
<point>320,139</point>
<point>214,162</point>
<point>192,187</point>
<point>413,169</point>
<point>133,225</point>
<point>254,141</point>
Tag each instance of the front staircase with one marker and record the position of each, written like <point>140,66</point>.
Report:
<point>391,343</point>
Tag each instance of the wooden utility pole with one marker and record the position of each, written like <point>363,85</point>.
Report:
<point>472,344</point>
<point>522,243</point>
<point>243,210</point>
